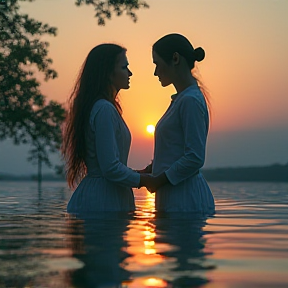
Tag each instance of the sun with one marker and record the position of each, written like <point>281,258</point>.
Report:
<point>150,129</point>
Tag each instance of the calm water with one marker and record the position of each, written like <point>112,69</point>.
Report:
<point>244,245</point>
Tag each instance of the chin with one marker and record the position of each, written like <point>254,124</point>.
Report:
<point>165,84</point>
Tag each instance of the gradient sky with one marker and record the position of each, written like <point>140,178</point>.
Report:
<point>245,71</point>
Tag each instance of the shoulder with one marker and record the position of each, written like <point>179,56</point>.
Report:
<point>103,106</point>
<point>103,109</point>
<point>192,100</point>
<point>193,93</point>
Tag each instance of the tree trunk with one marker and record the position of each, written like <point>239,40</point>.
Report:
<point>39,172</point>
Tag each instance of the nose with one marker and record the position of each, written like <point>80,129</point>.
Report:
<point>129,72</point>
<point>155,71</point>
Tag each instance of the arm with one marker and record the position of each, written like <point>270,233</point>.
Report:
<point>194,125</point>
<point>104,124</point>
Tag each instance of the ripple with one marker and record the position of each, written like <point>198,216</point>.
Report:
<point>40,244</point>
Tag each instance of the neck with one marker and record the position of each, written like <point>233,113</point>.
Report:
<point>183,79</point>
<point>114,92</point>
<point>183,82</point>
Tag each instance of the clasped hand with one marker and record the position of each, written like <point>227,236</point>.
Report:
<point>152,183</point>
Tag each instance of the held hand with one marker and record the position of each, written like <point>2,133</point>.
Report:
<point>147,181</point>
<point>152,183</point>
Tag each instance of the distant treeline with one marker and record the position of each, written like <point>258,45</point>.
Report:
<point>272,173</point>
<point>45,177</point>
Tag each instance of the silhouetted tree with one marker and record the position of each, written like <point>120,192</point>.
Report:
<point>105,8</point>
<point>25,114</point>
<point>45,135</point>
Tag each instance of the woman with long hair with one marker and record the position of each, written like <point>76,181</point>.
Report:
<point>181,133</point>
<point>96,140</point>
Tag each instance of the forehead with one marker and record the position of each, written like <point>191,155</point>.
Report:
<point>156,57</point>
<point>122,58</point>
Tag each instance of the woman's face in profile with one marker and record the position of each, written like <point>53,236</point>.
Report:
<point>162,70</point>
<point>121,74</point>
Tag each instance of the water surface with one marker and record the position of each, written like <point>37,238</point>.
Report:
<point>244,244</point>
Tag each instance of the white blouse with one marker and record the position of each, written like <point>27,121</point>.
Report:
<point>107,186</point>
<point>180,144</point>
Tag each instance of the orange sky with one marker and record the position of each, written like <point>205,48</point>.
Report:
<point>245,68</point>
<point>245,42</point>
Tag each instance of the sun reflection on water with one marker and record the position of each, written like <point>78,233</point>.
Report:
<point>154,282</point>
<point>144,249</point>
<point>141,235</point>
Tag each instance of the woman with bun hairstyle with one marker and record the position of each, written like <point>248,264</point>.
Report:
<point>181,133</point>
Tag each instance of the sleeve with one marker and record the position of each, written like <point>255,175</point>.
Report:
<point>192,117</point>
<point>104,123</point>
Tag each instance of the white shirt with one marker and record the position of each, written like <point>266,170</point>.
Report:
<point>107,186</point>
<point>180,144</point>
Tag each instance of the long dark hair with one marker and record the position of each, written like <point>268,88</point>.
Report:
<point>166,46</point>
<point>93,83</point>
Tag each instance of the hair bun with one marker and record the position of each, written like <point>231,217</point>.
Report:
<point>199,54</point>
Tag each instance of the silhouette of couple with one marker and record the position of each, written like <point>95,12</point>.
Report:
<point>96,139</point>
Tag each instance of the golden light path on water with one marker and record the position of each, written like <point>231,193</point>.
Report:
<point>142,246</point>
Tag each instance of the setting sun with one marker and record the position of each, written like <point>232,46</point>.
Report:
<point>150,129</point>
